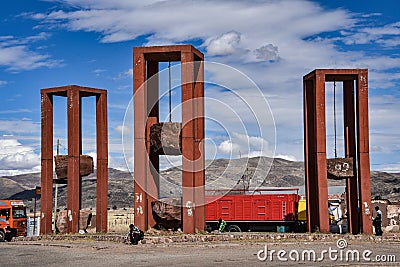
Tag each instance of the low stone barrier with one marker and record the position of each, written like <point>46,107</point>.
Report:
<point>193,238</point>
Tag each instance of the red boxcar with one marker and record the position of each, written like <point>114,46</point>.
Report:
<point>255,211</point>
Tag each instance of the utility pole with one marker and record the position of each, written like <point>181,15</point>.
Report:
<point>56,192</point>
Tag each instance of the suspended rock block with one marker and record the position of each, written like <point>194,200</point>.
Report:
<point>86,165</point>
<point>167,213</point>
<point>166,138</point>
<point>340,168</point>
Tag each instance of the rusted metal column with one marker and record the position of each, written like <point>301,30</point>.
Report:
<point>152,176</point>
<point>311,182</point>
<point>102,163</point>
<point>74,151</point>
<point>315,152</point>
<point>46,205</point>
<point>363,152</point>
<point>140,152</point>
<point>199,149</point>
<point>321,172</point>
<point>350,152</point>
<point>80,152</point>
<point>188,142</point>
<point>306,111</point>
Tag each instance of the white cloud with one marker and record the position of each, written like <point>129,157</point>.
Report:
<point>393,42</point>
<point>98,72</point>
<point>19,126</point>
<point>225,44</point>
<point>16,158</point>
<point>227,147</point>
<point>128,74</point>
<point>286,157</point>
<point>16,111</point>
<point>392,167</point>
<point>17,55</point>
<point>246,146</point>
<point>122,129</point>
<point>3,83</point>
<point>387,35</point>
<point>267,52</point>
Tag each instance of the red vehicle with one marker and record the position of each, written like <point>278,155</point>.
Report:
<point>6,232</point>
<point>13,214</point>
<point>260,210</point>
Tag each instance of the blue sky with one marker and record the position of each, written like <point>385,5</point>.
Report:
<point>274,43</point>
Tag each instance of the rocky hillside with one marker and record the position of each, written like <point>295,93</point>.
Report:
<point>220,174</point>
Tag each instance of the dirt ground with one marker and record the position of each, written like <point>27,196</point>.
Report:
<point>219,253</point>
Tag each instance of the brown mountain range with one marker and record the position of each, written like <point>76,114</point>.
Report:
<point>220,174</point>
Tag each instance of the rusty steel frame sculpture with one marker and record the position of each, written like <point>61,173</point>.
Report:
<point>74,96</point>
<point>146,114</point>
<point>356,142</point>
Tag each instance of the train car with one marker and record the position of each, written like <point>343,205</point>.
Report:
<point>259,210</point>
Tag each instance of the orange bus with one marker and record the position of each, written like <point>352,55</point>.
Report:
<point>13,213</point>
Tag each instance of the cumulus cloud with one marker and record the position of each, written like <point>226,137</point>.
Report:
<point>245,145</point>
<point>227,147</point>
<point>267,52</point>
<point>16,158</point>
<point>225,44</point>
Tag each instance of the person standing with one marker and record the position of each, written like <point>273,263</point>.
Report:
<point>377,222</point>
<point>221,225</point>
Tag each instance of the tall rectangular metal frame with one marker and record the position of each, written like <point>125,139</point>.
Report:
<point>146,163</point>
<point>358,188</point>
<point>74,96</point>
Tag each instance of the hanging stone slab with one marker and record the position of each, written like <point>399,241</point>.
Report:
<point>166,138</point>
<point>340,168</point>
<point>167,213</point>
<point>86,165</point>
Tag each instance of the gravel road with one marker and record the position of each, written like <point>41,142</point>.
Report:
<point>220,253</point>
